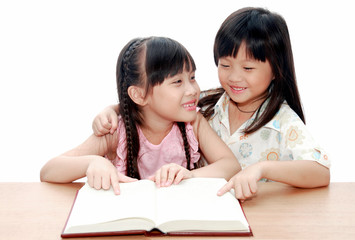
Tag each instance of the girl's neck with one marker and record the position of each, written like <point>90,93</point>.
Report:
<point>240,113</point>
<point>156,132</point>
<point>236,118</point>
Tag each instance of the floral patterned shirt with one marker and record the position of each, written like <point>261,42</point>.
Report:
<point>285,137</point>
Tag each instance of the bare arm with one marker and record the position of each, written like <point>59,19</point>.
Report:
<point>64,169</point>
<point>221,160</point>
<point>87,160</point>
<point>298,173</point>
<point>73,164</point>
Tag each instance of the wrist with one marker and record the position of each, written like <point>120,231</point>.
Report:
<point>94,159</point>
<point>263,167</point>
<point>192,173</point>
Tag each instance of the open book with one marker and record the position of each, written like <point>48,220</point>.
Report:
<point>190,208</point>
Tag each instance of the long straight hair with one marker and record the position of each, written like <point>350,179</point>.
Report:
<point>147,62</point>
<point>267,38</point>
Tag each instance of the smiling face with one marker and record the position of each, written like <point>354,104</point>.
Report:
<point>175,99</point>
<point>245,79</point>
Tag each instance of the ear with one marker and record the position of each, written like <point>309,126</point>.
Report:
<point>137,95</point>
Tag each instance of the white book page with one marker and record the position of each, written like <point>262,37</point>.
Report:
<point>97,206</point>
<point>196,199</point>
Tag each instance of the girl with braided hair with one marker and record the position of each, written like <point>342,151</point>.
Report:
<point>160,133</point>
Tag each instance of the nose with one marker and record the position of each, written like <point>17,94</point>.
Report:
<point>235,75</point>
<point>192,88</point>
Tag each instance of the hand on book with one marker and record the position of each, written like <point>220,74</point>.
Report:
<point>244,183</point>
<point>170,174</point>
<point>142,208</point>
<point>101,173</point>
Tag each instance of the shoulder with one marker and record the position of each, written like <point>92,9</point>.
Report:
<point>197,121</point>
<point>199,124</point>
<point>291,128</point>
<point>284,117</point>
<point>287,116</point>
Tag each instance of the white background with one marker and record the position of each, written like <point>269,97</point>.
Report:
<point>57,68</point>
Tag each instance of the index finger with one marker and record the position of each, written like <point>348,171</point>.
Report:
<point>115,184</point>
<point>228,186</point>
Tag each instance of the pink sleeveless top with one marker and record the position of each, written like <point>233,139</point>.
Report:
<point>151,157</point>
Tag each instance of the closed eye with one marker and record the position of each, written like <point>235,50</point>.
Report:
<point>177,81</point>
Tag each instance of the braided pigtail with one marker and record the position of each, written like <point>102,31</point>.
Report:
<point>132,138</point>
<point>128,74</point>
<point>182,128</point>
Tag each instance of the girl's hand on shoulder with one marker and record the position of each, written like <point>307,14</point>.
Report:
<point>171,173</point>
<point>102,174</point>
<point>244,183</point>
<point>105,122</point>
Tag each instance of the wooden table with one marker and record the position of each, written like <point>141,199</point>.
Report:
<point>39,211</point>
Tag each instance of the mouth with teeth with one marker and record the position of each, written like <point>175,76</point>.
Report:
<point>238,89</point>
<point>190,106</point>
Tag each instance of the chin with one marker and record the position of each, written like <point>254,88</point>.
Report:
<point>188,118</point>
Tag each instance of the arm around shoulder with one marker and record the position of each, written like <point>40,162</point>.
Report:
<point>73,164</point>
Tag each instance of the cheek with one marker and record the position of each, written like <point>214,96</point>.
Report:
<point>268,79</point>
<point>197,88</point>
<point>263,84</point>
<point>222,76</point>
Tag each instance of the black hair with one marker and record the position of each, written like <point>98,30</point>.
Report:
<point>147,62</point>
<point>266,37</point>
